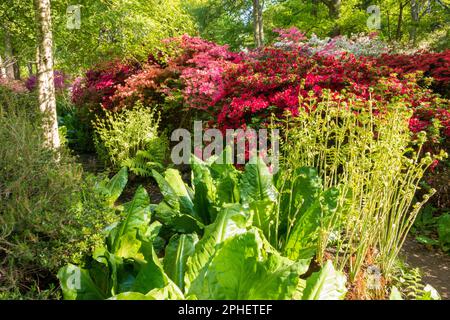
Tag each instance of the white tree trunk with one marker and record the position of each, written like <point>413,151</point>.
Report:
<point>46,87</point>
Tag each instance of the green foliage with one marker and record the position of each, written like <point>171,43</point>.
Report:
<point>48,213</point>
<point>230,22</point>
<point>432,230</point>
<point>304,210</point>
<point>112,188</point>
<point>290,214</point>
<point>245,268</point>
<point>127,261</point>
<point>224,22</point>
<point>408,283</point>
<point>179,249</point>
<point>326,284</point>
<point>32,293</point>
<point>75,120</point>
<point>232,260</point>
<point>236,266</point>
<point>130,139</point>
<point>143,24</point>
<point>233,220</point>
<point>444,231</point>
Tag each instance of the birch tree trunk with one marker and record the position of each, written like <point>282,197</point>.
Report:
<point>45,82</point>
<point>258,23</point>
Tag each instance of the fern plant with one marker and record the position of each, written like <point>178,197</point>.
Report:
<point>130,139</point>
<point>410,284</point>
<point>153,158</point>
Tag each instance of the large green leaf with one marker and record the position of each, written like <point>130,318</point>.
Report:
<point>230,221</point>
<point>178,250</point>
<point>151,275</point>
<point>114,187</point>
<point>307,187</point>
<point>128,247</point>
<point>226,176</point>
<point>243,268</point>
<point>205,190</point>
<point>299,189</point>
<point>326,284</point>
<point>228,188</point>
<point>175,181</point>
<point>132,296</point>
<point>165,213</point>
<point>137,218</point>
<point>113,268</point>
<point>263,217</point>
<point>170,197</point>
<point>184,223</point>
<point>176,194</point>
<point>257,182</point>
<point>76,284</point>
<point>169,292</point>
<point>303,239</point>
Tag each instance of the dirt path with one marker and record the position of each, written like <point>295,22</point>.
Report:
<point>434,264</point>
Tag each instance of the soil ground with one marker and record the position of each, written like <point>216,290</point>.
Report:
<point>434,264</point>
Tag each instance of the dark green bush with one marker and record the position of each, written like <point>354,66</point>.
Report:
<point>77,121</point>
<point>49,214</point>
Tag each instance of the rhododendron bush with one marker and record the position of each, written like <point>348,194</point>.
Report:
<point>100,84</point>
<point>191,79</point>
<point>435,65</point>
<point>359,44</point>
<point>237,90</point>
<point>59,78</point>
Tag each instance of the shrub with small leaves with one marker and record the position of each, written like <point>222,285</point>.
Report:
<point>130,138</point>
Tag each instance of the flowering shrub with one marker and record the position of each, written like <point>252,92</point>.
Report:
<point>100,84</point>
<point>59,78</point>
<point>358,44</point>
<point>196,70</point>
<point>15,86</point>
<point>240,90</point>
<point>435,65</point>
<point>279,80</point>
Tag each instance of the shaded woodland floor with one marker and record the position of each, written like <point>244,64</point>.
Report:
<point>434,264</point>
